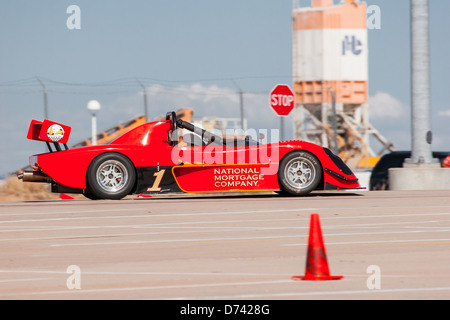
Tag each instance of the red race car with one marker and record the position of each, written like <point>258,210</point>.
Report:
<point>149,160</point>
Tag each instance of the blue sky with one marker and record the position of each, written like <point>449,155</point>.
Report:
<point>185,53</point>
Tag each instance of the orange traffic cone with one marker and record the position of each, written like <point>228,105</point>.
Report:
<point>316,262</point>
<point>142,195</point>
<point>64,196</point>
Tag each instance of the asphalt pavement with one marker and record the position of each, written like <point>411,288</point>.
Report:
<point>387,245</point>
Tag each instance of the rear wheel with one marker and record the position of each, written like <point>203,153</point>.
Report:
<point>300,173</point>
<point>110,176</point>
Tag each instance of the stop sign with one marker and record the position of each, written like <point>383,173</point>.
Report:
<point>282,100</point>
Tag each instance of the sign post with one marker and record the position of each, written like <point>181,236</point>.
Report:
<point>282,101</point>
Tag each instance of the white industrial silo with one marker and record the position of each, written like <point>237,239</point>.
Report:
<point>330,75</point>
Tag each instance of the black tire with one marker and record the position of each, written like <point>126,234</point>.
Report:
<point>88,194</point>
<point>110,176</point>
<point>299,173</point>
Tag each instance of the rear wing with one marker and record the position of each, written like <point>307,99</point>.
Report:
<point>50,132</point>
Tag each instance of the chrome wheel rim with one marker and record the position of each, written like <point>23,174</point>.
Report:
<point>112,176</point>
<point>300,173</point>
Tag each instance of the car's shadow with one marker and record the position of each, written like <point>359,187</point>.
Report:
<point>186,196</point>
<point>273,195</point>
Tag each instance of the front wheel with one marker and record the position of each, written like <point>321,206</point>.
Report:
<point>111,176</point>
<point>300,173</point>
<point>88,194</point>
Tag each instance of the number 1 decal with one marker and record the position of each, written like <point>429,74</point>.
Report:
<point>159,175</point>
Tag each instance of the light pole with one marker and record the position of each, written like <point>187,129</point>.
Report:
<point>420,85</point>
<point>145,100</point>
<point>421,171</point>
<point>44,88</point>
<point>241,104</point>
<point>94,106</point>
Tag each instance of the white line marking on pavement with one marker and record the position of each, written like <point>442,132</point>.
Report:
<point>24,280</point>
<point>375,242</point>
<point>147,273</point>
<point>178,286</point>
<point>151,215</point>
<point>239,296</point>
<point>313,293</point>
<point>136,209</point>
<point>192,225</point>
<point>219,230</point>
<point>109,243</point>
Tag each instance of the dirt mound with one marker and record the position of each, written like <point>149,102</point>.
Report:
<point>15,190</point>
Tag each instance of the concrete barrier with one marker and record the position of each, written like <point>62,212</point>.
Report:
<point>419,178</point>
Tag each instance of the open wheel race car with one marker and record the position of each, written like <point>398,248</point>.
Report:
<point>149,160</point>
